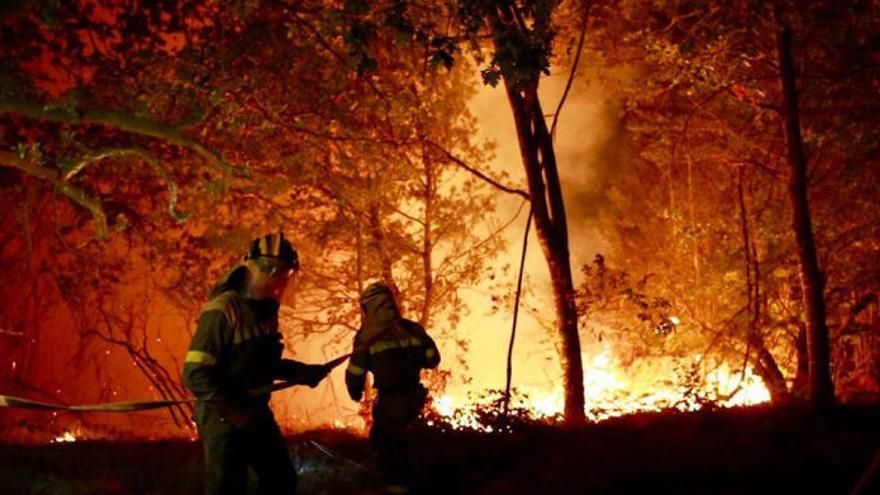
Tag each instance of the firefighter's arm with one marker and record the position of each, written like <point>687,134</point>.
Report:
<point>200,366</point>
<point>356,373</point>
<point>431,355</point>
<point>296,372</point>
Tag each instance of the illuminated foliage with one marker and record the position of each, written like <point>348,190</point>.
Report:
<point>176,132</point>
<point>701,102</point>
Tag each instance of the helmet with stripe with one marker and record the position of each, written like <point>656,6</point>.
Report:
<point>274,246</point>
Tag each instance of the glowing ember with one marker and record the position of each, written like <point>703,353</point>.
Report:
<point>67,437</point>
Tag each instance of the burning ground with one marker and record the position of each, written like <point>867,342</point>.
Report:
<point>732,451</point>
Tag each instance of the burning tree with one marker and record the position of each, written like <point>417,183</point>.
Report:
<point>517,39</point>
<point>262,135</point>
<point>709,101</point>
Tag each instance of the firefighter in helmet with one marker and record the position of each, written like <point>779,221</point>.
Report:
<point>233,359</point>
<point>395,350</point>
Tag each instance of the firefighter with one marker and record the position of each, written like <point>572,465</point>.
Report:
<point>395,350</point>
<point>233,359</point>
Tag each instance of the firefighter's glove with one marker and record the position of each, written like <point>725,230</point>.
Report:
<point>314,373</point>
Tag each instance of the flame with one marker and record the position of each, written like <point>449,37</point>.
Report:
<point>66,437</point>
<point>609,392</point>
<point>445,406</point>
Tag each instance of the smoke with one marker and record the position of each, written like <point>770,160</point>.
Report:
<point>588,152</point>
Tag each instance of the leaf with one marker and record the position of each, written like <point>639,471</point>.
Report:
<point>491,76</point>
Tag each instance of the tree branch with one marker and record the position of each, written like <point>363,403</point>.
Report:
<point>76,194</point>
<point>571,75</point>
<point>119,120</point>
<point>146,157</point>
<point>458,161</point>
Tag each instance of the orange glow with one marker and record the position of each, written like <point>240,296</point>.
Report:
<point>609,393</point>
<point>66,437</point>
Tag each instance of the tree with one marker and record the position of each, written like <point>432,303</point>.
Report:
<point>707,117</point>
<point>237,101</point>
<point>821,390</point>
<point>520,50</point>
<point>522,36</point>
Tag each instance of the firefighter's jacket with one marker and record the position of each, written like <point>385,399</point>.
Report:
<point>235,353</point>
<point>394,349</point>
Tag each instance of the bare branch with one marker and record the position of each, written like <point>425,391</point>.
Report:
<point>120,120</point>
<point>572,74</point>
<point>458,161</point>
<point>76,194</point>
<point>143,155</point>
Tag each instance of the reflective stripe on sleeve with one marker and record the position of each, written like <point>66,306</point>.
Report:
<point>200,357</point>
<point>355,370</point>
<point>394,344</point>
<point>430,352</point>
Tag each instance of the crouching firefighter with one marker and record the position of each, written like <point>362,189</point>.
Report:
<point>232,361</point>
<point>395,350</point>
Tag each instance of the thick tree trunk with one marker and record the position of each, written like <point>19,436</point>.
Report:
<point>548,213</point>
<point>820,389</point>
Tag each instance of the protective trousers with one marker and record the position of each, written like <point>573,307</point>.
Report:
<point>393,411</point>
<point>229,450</point>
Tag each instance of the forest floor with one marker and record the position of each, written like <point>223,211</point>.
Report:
<point>745,451</point>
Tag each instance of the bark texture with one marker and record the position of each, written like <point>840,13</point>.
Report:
<point>548,213</point>
<point>820,389</point>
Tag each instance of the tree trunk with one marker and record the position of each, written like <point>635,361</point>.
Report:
<point>377,238</point>
<point>428,243</point>
<point>765,364</point>
<point>768,370</point>
<point>359,256</point>
<point>802,375</point>
<point>548,213</point>
<point>365,406</point>
<point>820,391</point>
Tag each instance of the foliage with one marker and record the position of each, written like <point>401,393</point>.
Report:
<point>232,110</point>
<point>700,92</point>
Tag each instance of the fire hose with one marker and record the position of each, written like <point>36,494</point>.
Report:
<point>129,406</point>
<point>336,457</point>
